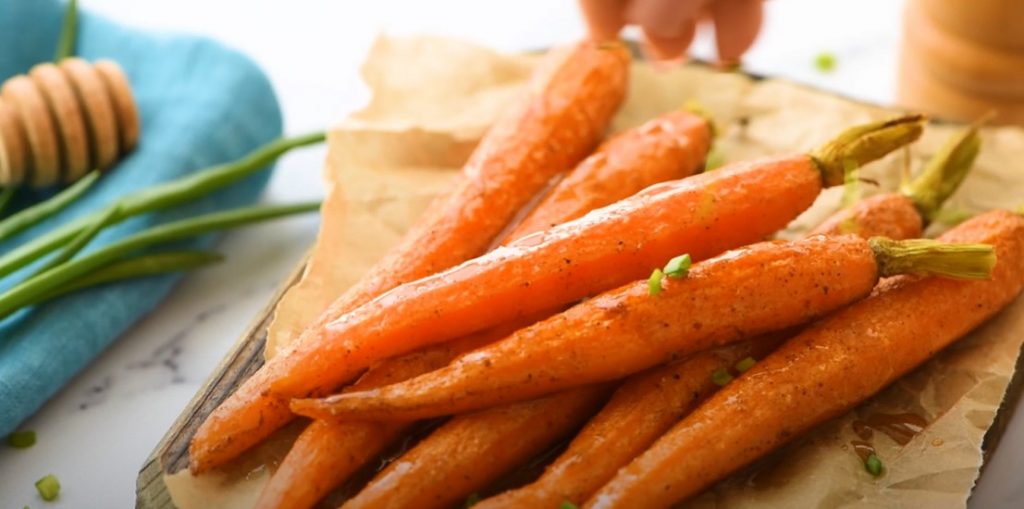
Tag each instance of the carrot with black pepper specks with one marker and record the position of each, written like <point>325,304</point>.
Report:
<point>823,372</point>
<point>470,451</point>
<point>668,147</point>
<point>704,215</point>
<point>569,103</point>
<point>640,411</point>
<point>649,403</point>
<point>328,452</point>
<point>761,288</point>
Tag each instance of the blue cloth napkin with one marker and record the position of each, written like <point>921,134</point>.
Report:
<point>201,104</point>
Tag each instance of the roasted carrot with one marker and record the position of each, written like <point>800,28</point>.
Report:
<point>823,372</point>
<point>649,403</point>
<point>640,411</point>
<point>461,457</point>
<point>669,147</point>
<point>904,214</point>
<point>760,288</point>
<point>328,452</point>
<point>704,214</point>
<point>568,104</point>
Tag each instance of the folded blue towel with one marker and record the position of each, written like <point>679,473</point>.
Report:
<point>200,104</point>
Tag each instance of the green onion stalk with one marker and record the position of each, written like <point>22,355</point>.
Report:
<point>159,197</point>
<point>46,283</point>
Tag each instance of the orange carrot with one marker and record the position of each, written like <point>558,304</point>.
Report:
<point>704,214</point>
<point>824,371</point>
<point>649,403</point>
<point>471,451</point>
<point>640,411</point>
<point>328,452</point>
<point>669,147</point>
<point>761,288</point>
<point>569,102</point>
<point>904,214</point>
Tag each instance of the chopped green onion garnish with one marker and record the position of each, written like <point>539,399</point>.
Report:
<point>48,487</point>
<point>678,267</point>
<point>721,377</point>
<point>654,282</point>
<point>472,500</point>
<point>745,364</point>
<point>567,505</point>
<point>873,465</point>
<point>825,62</point>
<point>21,439</point>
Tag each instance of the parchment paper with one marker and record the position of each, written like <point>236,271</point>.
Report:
<point>432,100</point>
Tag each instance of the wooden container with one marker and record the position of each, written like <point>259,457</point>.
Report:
<point>961,60</point>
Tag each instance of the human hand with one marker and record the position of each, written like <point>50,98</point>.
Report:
<point>669,25</point>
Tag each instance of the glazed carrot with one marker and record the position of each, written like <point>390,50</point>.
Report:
<point>704,214</point>
<point>649,403</point>
<point>569,102</point>
<point>903,215</point>
<point>639,412</point>
<point>824,371</point>
<point>328,452</point>
<point>761,288</point>
<point>669,147</point>
<point>471,451</point>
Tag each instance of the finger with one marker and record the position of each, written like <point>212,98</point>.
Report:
<point>604,18</point>
<point>670,48</point>
<point>737,23</point>
<point>662,18</point>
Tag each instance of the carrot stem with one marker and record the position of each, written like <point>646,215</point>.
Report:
<point>862,144</point>
<point>944,173</point>
<point>931,257</point>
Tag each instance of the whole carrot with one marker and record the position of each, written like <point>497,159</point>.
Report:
<point>649,403</point>
<point>670,146</point>
<point>761,288</point>
<point>328,452</point>
<point>823,372</point>
<point>704,214</point>
<point>461,457</point>
<point>568,104</point>
<point>639,412</point>
<point>905,213</point>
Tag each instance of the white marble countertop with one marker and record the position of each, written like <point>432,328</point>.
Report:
<point>97,432</point>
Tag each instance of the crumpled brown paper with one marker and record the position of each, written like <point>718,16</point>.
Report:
<point>433,98</point>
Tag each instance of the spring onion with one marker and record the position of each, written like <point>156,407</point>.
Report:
<point>825,62</point>
<point>678,267</point>
<point>158,197</point>
<point>48,487</point>
<point>21,439</point>
<point>654,282</point>
<point>720,377</point>
<point>43,284</point>
<point>743,365</point>
<point>873,465</point>
<point>68,32</point>
<point>567,505</point>
<point>135,267</point>
<point>40,211</point>
<point>5,198</point>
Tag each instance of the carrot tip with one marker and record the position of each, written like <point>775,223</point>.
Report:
<point>933,258</point>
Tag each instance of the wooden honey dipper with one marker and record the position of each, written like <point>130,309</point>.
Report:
<point>60,121</point>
